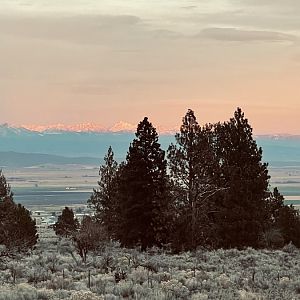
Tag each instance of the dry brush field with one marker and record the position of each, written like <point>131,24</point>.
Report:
<point>55,271</point>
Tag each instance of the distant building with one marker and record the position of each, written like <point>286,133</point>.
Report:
<point>43,218</point>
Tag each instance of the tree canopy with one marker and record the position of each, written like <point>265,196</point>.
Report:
<point>103,199</point>
<point>213,190</point>
<point>142,190</point>
<point>66,224</point>
<point>241,171</point>
<point>17,229</point>
<point>190,164</point>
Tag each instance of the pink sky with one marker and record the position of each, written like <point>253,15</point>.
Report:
<point>107,61</point>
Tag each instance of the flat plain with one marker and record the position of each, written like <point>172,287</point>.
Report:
<point>53,186</point>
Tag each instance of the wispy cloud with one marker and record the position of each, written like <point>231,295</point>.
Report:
<point>82,29</point>
<point>240,35</point>
<point>78,29</point>
<point>287,4</point>
<point>254,18</point>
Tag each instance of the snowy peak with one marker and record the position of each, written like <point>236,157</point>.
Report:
<point>123,127</point>
<point>82,127</point>
<point>120,127</point>
<point>127,127</point>
<point>6,129</point>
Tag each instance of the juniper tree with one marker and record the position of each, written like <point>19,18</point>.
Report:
<point>66,224</point>
<point>23,232</point>
<point>142,192</point>
<point>103,199</point>
<point>288,222</point>
<point>17,229</point>
<point>274,202</point>
<point>283,219</point>
<point>6,207</point>
<point>191,164</point>
<point>241,171</point>
<point>90,237</point>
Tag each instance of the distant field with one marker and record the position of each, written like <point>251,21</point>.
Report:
<point>287,179</point>
<point>52,185</point>
<point>51,196</point>
<point>58,185</point>
<point>73,184</point>
<point>49,183</point>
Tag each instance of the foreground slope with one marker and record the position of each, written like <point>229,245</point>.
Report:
<point>55,271</point>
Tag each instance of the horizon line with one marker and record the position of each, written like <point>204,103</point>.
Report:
<point>119,127</point>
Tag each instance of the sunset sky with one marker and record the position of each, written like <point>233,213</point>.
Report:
<point>73,61</point>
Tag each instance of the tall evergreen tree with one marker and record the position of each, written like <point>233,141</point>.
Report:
<point>17,229</point>
<point>191,164</point>
<point>142,192</point>
<point>245,177</point>
<point>103,199</point>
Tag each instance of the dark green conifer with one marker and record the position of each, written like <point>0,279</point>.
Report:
<point>191,163</point>
<point>66,224</point>
<point>142,191</point>
<point>103,199</point>
<point>245,178</point>
<point>17,230</point>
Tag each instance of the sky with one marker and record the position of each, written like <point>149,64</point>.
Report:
<point>74,61</point>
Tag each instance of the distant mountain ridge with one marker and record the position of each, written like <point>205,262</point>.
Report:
<point>119,127</point>
<point>94,143</point>
<point>90,127</point>
<point>61,142</point>
<point>17,159</point>
<point>6,129</point>
<point>82,127</point>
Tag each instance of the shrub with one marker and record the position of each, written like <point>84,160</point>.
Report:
<point>290,248</point>
<point>21,291</point>
<point>85,296</point>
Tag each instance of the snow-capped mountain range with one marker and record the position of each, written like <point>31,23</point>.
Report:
<point>81,127</point>
<point>119,127</point>
<point>6,129</point>
<point>82,140</point>
<point>92,140</point>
